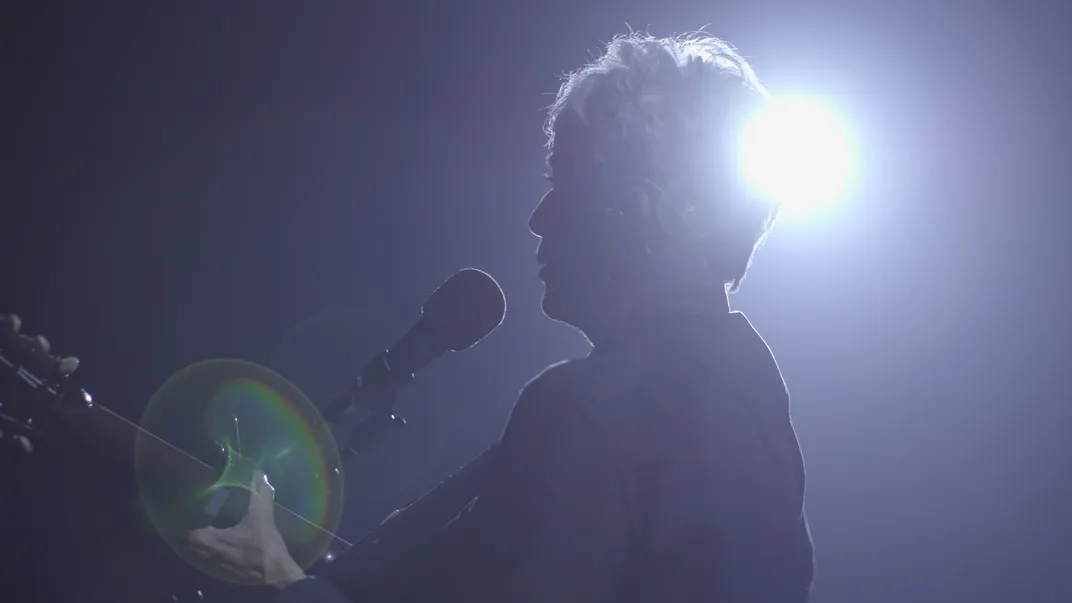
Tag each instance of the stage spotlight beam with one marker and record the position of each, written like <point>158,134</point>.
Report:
<point>797,153</point>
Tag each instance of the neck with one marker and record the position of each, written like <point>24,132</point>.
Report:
<point>617,321</point>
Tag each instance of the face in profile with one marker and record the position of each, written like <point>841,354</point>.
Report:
<point>587,241</point>
<point>564,255</point>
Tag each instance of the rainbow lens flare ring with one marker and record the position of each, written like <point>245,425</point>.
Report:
<point>231,418</point>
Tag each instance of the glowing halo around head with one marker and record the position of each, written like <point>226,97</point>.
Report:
<point>234,418</point>
<point>796,153</point>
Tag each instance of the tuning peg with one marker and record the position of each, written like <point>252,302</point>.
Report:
<point>20,441</point>
<point>12,322</point>
<point>24,443</point>
<point>42,344</point>
<point>66,366</point>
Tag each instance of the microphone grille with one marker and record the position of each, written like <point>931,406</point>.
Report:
<point>463,310</point>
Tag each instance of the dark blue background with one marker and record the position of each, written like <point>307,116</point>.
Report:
<point>285,182</point>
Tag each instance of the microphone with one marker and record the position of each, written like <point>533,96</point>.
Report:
<point>462,311</point>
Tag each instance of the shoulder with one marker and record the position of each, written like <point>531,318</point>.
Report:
<point>553,390</point>
<point>558,378</point>
<point>590,379</point>
<point>605,394</point>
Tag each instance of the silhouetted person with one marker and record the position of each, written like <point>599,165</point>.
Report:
<point>663,467</point>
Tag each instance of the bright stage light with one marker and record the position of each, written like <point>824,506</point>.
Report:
<point>797,154</point>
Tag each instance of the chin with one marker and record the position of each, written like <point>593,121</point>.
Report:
<point>549,304</point>
<point>567,312</point>
<point>553,304</point>
<point>560,307</point>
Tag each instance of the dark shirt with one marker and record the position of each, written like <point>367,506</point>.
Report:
<point>663,467</point>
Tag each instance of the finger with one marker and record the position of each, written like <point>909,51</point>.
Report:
<point>42,344</point>
<point>239,571</point>
<point>390,516</point>
<point>214,543</point>
<point>13,323</point>
<point>262,499</point>
<point>205,540</point>
<point>66,366</point>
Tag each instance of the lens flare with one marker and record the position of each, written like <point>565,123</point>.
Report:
<point>232,418</point>
<point>797,154</point>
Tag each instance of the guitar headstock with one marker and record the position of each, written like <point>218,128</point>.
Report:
<point>33,381</point>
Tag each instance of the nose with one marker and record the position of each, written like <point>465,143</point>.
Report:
<point>538,221</point>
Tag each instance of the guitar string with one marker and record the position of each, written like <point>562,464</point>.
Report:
<point>206,465</point>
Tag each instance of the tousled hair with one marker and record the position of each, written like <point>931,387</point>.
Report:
<point>667,110</point>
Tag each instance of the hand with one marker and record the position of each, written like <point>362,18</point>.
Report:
<point>391,516</point>
<point>253,549</point>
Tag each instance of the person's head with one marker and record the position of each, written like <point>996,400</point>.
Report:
<point>646,189</point>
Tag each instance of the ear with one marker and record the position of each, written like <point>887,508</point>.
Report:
<point>662,211</point>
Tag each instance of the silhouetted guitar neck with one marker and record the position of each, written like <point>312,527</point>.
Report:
<point>70,420</point>
<point>366,565</point>
<point>116,441</point>
<point>106,434</point>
